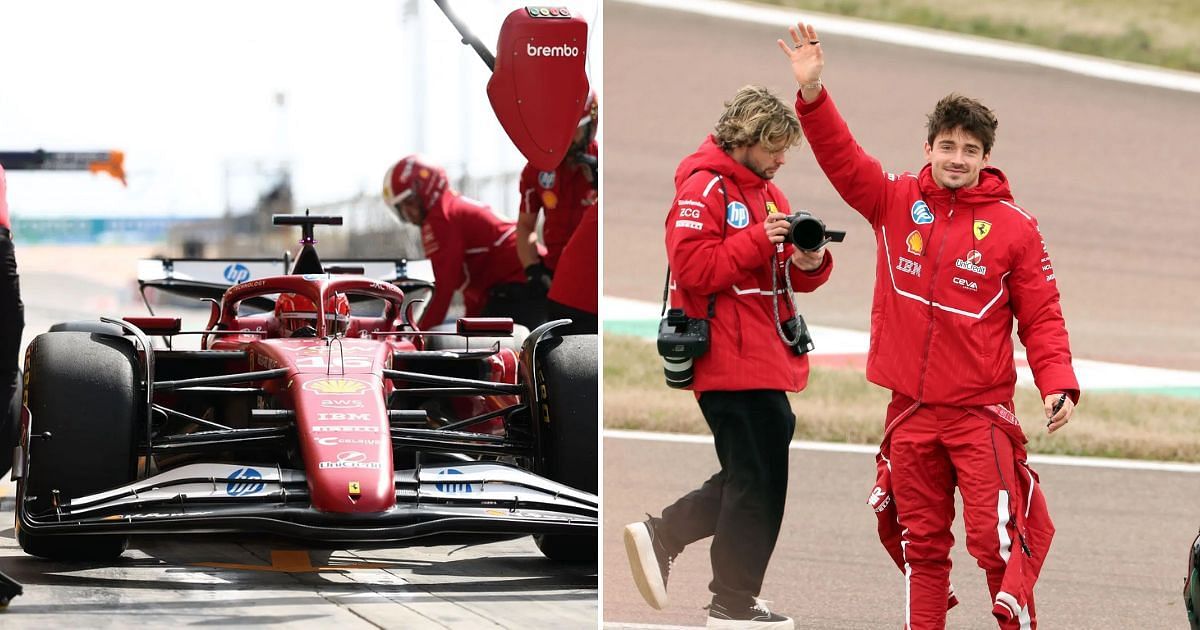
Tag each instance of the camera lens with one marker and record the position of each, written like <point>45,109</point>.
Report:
<point>805,231</point>
<point>678,371</point>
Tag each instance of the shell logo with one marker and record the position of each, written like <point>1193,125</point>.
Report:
<point>916,245</point>
<point>549,199</point>
<point>327,386</point>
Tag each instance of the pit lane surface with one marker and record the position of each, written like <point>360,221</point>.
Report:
<point>1117,561</point>
<point>227,581</point>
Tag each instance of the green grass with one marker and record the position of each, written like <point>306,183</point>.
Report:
<point>1160,33</point>
<point>841,406</point>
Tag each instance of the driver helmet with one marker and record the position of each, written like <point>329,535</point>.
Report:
<point>295,312</point>
<point>413,176</point>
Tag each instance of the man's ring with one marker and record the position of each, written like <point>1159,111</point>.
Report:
<point>814,41</point>
<point>798,45</point>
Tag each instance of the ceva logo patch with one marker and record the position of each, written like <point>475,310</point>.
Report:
<point>921,214</point>
<point>244,481</point>
<point>237,273</point>
<point>737,214</point>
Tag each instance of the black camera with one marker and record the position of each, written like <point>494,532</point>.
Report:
<point>796,332</point>
<point>808,232</point>
<point>680,340</point>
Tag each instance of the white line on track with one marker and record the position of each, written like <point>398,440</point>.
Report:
<point>935,40</point>
<point>864,449</point>
<point>622,625</point>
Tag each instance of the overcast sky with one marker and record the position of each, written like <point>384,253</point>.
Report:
<point>188,90</point>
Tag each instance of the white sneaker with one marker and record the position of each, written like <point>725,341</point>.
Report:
<point>649,561</point>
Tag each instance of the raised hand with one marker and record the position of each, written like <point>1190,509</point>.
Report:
<point>805,54</point>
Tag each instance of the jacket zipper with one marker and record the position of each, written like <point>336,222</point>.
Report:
<point>932,284</point>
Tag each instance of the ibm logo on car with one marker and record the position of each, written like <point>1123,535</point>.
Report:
<point>244,481</point>
<point>452,487</point>
<point>237,273</point>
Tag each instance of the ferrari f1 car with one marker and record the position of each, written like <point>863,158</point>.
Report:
<point>322,415</point>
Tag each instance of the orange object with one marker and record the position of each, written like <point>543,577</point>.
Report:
<point>114,166</point>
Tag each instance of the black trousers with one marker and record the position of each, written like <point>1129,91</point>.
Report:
<point>741,506</point>
<point>524,304</point>
<point>12,320</point>
<point>582,322</point>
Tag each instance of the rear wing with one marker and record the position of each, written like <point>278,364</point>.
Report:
<point>202,278</point>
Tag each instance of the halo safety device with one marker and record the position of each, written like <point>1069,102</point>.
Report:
<point>297,315</point>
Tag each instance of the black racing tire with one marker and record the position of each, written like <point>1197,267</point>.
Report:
<point>10,429</point>
<point>567,367</point>
<point>88,325</point>
<point>84,390</point>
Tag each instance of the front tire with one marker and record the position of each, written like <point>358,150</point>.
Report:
<point>84,391</point>
<point>567,366</point>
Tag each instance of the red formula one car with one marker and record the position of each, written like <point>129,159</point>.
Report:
<point>327,418</point>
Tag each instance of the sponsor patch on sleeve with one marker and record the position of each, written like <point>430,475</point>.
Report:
<point>686,223</point>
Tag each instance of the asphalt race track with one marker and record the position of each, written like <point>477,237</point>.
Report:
<point>186,581</point>
<point>1118,558</point>
<point>1106,168</point>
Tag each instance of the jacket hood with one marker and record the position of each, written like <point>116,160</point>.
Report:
<point>710,157</point>
<point>992,187</point>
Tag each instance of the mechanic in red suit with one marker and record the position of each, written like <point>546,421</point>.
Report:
<point>574,293</point>
<point>471,248</point>
<point>958,261</point>
<point>724,237</point>
<point>12,312</point>
<point>566,195</point>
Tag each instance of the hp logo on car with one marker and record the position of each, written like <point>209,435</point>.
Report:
<point>450,486</point>
<point>237,273</point>
<point>244,481</point>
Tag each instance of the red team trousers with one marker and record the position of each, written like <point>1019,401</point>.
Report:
<point>932,451</point>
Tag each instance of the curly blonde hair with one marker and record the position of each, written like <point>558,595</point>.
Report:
<point>756,116</point>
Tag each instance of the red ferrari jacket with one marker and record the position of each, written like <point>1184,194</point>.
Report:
<point>471,248</point>
<point>718,247</point>
<point>565,194</point>
<point>953,269</point>
<point>4,223</point>
<point>577,281</point>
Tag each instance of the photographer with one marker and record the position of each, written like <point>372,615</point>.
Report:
<point>725,237</point>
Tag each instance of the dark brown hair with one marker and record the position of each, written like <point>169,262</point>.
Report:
<point>957,111</point>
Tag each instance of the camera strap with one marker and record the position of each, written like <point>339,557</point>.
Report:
<point>712,297</point>
<point>775,270</point>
